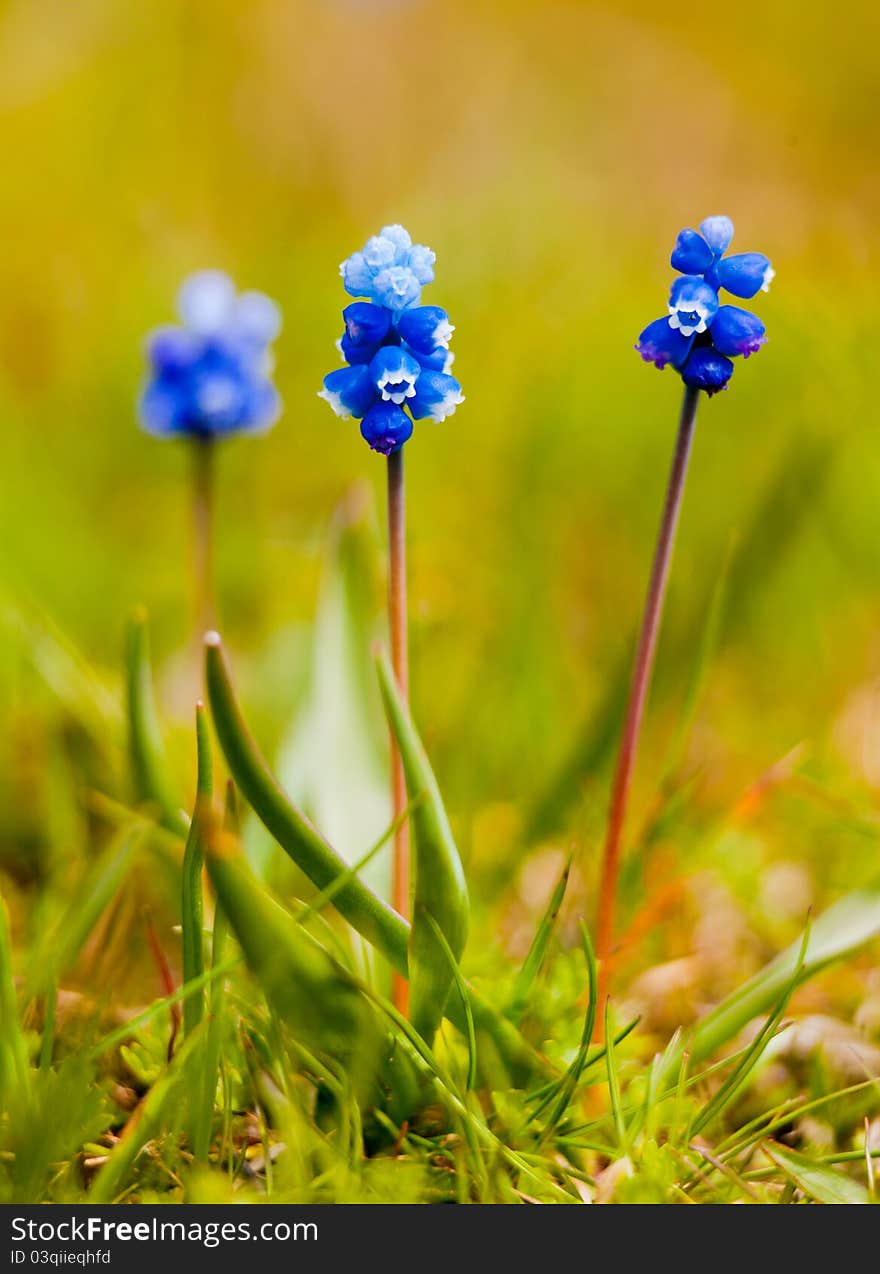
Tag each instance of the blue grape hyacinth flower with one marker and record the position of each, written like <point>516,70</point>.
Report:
<point>211,376</point>
<point>699,336</point>
<point>396,350</point>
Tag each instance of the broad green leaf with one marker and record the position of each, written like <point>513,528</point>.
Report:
<point>815,1179</point>
<point>438,889</point>
<point>363,909</point>
<point>338,738</point>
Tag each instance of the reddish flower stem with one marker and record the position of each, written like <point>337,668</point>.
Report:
<point>641,680</point>
<point>397,623</point>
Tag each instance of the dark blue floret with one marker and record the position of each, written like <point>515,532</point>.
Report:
<point>386,427</point>
<point>736,331</point>
<point>745,274</point>
<point>425,329</point>
<point>661,344</point>
<point>366,324</point>
<point>707,369</point>
<point>691,254</point>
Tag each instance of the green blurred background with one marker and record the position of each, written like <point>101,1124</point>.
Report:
<point>549,153</point>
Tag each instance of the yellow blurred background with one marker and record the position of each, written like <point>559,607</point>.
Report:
<point>549,153</point>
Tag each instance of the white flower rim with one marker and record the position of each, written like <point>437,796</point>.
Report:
<point>335,401</point>
<point>442,333</point>
<point>397,377</point>
<point>446,406</point>
<point>689,329</point>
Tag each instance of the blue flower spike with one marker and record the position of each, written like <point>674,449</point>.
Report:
<point>701,334</point>
<point>397,349</point>
<point>211,377</point>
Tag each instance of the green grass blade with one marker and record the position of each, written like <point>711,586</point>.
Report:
<point>327,895</point>
<point>739,1075</point>
<point>146,749</point>
<point>564,1090</point>
<point>439,889</point>
<point>840,931</point>
<point>192,905</point>
<point>706,650</point>
<point>122,1034</point>
<point>538,951</point>
<point>204,1115</point>
<point>815,1180</point>
<point>465,1002</point>
<point>62,945</point>
<point>614,1081</point>
<point>213,1040</point>
<point>14,1071</point>
<point>585,756</point>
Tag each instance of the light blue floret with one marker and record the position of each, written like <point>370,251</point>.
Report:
<point>718,232</point>
<point>390,270</point>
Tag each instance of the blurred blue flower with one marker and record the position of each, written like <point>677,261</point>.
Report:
<point>397,350</point>
<point>700,335</point>
<point>212,376</point>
